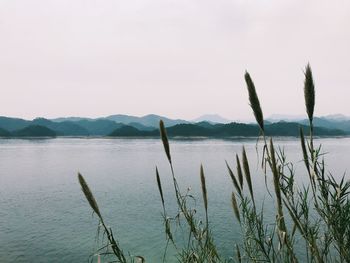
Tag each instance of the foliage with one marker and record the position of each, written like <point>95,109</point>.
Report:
<point>315,214</point>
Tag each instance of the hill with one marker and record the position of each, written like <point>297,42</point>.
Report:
<point>34,131</point>
<point>99,127</point>
<point>292,129</point>
<point>61,119</point>
<point>12,124</point>
<point>335,121</point>
<point>129,131</point>
<point>148,126</point>
<point>205,129</point>
<point>150,120</point>
<point>212,118</point>
<point>65,128</point>
<point>331,123</point>
<point>4,133</point>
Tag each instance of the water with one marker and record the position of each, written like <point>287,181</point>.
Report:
<point>44,216</point>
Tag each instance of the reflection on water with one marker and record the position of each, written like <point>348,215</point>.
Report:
<point>45,218</point>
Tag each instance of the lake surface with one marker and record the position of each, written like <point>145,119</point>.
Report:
<point>44,216</point>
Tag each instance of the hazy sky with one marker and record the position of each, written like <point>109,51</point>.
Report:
<point>180,58</point>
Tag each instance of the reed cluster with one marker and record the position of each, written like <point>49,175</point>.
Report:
<point>315,214</point>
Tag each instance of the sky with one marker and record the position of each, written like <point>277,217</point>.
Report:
<point>178,58</point>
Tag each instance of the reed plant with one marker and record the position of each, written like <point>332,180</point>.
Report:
<point>311,222</point>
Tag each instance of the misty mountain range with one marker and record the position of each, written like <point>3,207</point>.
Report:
<point>210,125</point>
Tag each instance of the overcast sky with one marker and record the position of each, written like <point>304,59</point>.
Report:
<point>179,58</point>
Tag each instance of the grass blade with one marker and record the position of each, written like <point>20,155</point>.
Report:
<point>247,173</point>
<point>235,207</point>
<point>239,171</point>
<point>234,180</point>
<point>303,147</point>
<point>159,186</point>
<point>204,189</point>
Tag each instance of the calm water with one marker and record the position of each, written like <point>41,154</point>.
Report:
<point>44,216</point>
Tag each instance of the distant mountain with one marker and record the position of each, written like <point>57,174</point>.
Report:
<point>98,127</point>
<point>212,118</point>
<point>328,123</point>
<point>283,117</point>
<point>70,119</point>
<point>34,131</point>
<point>141,127</point>
<point>292,129</point>
<point>12,124</point>
<point>81,127</point>
<point>189,130</point>
<point>124,125</point>
<point>337,117</point>
<point>121,118</point>
<point>129,131</point>
<point>65,128</point>
<point>4,133</point>
<point>150,120</point>
<point>335,121</point>
<point>205,129</point>
<point>75,126</point>
<point>208,125</point>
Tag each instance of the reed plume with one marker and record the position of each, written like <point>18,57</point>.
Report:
<point>89,196</point>
<point>164,138</point>
<point>309,92</point>
<point>254,101</point>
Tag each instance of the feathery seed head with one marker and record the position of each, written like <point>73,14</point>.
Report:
<point>89,196</point>
<point>164,138</point>
<point>254,101</point>
<point>309,92</point>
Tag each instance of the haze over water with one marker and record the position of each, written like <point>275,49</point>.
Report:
<point>44,216</point>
